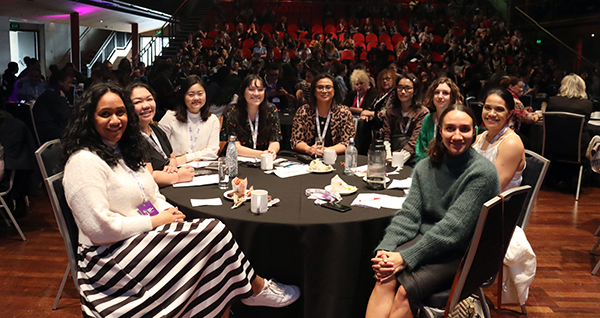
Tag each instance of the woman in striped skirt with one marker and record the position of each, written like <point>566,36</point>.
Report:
<point>137,256</point>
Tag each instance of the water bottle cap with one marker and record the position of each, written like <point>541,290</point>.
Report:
<point>232,138</point>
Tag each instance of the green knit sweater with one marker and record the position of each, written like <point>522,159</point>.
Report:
<point>443,205</point>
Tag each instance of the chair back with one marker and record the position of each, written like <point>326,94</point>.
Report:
<point>477,108</point>
<point>562,136</point>
<point>47,157</point>
<point>24,112</point>
<point>533,175</point>
<point>64,218</point>
<point>485,254</point>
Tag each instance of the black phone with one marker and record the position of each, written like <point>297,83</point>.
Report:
<point>337,207</point>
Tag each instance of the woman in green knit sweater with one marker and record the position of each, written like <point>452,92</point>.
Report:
<point>426,239</point>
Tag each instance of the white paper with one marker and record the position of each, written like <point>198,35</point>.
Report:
<point>201,202</point>
<point>361,171</point>
<point>248,159</point>
<point>400,184</point>
<point>291,171</point>
<point>377,201</point>
<point>197,164</point>
<point>199,181</point>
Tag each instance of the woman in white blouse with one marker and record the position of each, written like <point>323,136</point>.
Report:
<point>192,130</point>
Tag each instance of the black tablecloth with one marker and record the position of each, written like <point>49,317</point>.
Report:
<point>325,252</point>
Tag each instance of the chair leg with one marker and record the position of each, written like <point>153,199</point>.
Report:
<point>593,251</point>
<point>595,270</point>
<point>523,310</point>
<point>6,220</point>
<point>579,183</point>
<point>597,231</point>
<point>62,286</point>
<point>484,305</point>
<point>12,218</point>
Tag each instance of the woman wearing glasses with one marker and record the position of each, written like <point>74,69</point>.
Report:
<point>323,122</point>
<point>402,123</point>
<point>192,130</point>
<point>253,120</point>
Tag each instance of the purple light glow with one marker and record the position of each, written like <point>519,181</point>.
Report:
<point>79,8</point>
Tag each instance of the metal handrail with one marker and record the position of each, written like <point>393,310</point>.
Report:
<point>541,28</point>
<point>169,24</point>
<point>102,51</point>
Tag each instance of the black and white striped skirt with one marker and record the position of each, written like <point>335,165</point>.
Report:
<point>190,269</point>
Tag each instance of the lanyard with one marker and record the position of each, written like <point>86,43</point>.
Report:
<point>322,136</point>
<point>135,177</point>
<point>403,128</point>
<point>358,101</point>
<point>499,135</point>
<point>254,129</point>
<point>435,126</point>
<point>154,143</point>
<point>193,139</point>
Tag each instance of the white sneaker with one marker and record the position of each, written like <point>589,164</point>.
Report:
<point>274,294</point>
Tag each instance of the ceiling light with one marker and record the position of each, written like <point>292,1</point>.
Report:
<point>101,21</point>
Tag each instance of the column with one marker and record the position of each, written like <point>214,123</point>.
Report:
<point>135,45</point>
<point>75,51</point>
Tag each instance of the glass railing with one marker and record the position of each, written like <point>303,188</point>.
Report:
<point>115,41</point>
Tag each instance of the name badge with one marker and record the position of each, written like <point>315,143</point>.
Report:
<point>147,208</point>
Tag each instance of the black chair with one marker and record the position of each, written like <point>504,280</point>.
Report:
<point>47,157</point>
<point>23,112</point>
<point>6,207</point>
<point>562,140</point>
<point>67,227</point>
<point>533,175</point>
<point>485,254</point>
<point>477,108</point>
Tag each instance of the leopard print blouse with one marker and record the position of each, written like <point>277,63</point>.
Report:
<point>305,129</point>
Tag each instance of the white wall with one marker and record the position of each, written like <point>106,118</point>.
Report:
<point>5,47</point>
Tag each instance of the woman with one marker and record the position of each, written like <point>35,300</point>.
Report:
<point>425,241</point>
<point>363,94</point>
<point>192,130</point>
<point>500,144</point>
<point>162,164</point>
<point>402,122</point>
<point>572,98</point>
<point>253,120</point>
<point>303,87</point>
<point>386,83</point>
<point>163,266</point>
<point>522,114</point>
<point>440,94</point>
<point>323,122</point>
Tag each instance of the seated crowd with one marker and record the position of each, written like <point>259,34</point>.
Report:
<point>140,130</point>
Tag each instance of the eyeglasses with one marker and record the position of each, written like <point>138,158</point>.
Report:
<point>405,88</point>
<point>324,88</point>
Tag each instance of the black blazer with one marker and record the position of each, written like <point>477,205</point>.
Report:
<point>156,159</point>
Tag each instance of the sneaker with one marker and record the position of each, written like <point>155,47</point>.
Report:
<point>274,294</point>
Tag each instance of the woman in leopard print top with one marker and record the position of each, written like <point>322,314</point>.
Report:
<point>333,125</point>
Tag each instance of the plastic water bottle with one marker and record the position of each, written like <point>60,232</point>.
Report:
<point>232,158</point>
<point>376,163</point>
<point>351,157</point>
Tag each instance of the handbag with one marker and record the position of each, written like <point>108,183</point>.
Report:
<point>467,308</point>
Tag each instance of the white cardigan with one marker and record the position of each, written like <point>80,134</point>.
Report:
<point>104,200</point>
<point>207,145</point>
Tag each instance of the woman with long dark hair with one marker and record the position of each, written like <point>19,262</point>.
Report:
<point>323,122</point>
<point>253,120</point>
<point>161,161</point>
<point>425,241</point>
<point>192,130</point>
<point>137,256</point>
<point>440,94</point>
<point>500,144</point>
<point>402,122</point>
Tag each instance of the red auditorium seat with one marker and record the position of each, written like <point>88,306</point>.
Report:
<point>329,29</point>
<point>363,56</point>
<point>377,22</point>
<point>384,38</point>
<point>212,34</point>
<point>389,46</point>
<point>207,43</point>
<point>317,28</point>
<point>360,44</point>
<point>389,23</point>
<point>302,35</point>
<point>436,57</point>
<point>267,27</point>
<point>283,8</point>
<point>292,28</point>
<point>231,26</point>
<point>371,37</point>
<point>248,43</point>
<point>293,35</point>
<point>277,53</point>
<point>371,45</point>
<point>341,37</point>
<point>358,37</point>
<point>437,39</point>
<point>246,53</point>
<point>415,45</point>
<point>347,55</point>
<point>316,20</point>
<point>329,21</point>
<point>402,23</point>
<point>405,30</point>
<point>397,38</point>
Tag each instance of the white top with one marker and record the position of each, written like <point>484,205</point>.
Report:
<point>104,200</point>
<point>206,146</point>
<point>491,153</point>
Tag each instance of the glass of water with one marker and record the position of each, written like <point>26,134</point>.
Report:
<point>223,173</point>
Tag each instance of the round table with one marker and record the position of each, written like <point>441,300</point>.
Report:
<point>326,253</point>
